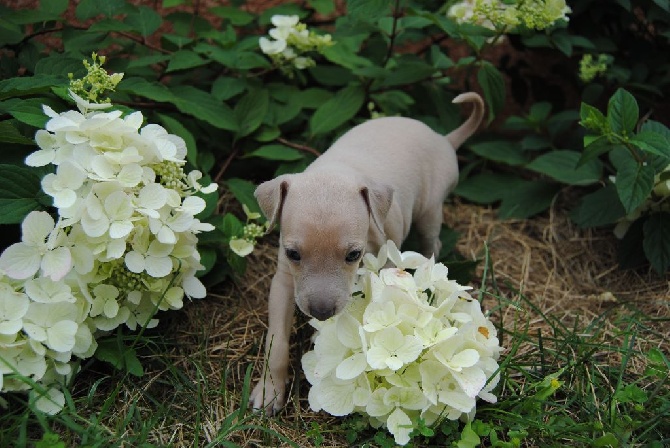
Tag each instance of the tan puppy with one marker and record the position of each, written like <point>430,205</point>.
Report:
<point>370,186</point>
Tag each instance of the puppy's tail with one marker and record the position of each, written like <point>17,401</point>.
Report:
<point>464,131</point>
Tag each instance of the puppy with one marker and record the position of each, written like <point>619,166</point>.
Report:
<point>370,186</point>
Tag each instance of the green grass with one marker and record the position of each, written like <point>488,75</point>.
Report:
<point>604,383</point>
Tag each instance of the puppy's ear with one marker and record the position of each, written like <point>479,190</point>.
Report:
<point>271,196</point>
<point>378,199</point>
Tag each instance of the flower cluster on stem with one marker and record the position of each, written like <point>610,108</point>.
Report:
<point>290,42</point>
<point>122,246</point>
<point>510,15</point>
<point>410,345</point>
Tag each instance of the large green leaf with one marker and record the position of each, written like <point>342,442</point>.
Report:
<point>599,208</point>
<point>652,142</point>
<point>486,188</point>
<point>562,166</point>
<point>656,241</point>
<point>250,111</point>
<point>243,190</point>
<point>337,110</point>
<point>27,111</point>
<point>10,134</point>
<point>144,20</point>
<point>622,112</point>
<point>368,10</point>
<point>634,182</point>
<point>527,199</point>
<point>408,73</point>
<point>235,15</point>
<point>277,152</point>
<point>28,85</point>
<point>88,9</point>
<point>185,59</point>
<point>504,151</point>
<point>493,85</point>
<point>20,193</point>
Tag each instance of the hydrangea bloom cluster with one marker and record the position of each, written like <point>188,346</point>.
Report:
<point>289,43</point>
<point>409,346</point>
<point>509,16</point>
<point>590,68</point>
<point>123,244</point>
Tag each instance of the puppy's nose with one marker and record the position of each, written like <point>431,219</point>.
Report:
<point>321,311</point>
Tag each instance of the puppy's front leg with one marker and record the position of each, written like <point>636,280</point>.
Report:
<point>270,391</point>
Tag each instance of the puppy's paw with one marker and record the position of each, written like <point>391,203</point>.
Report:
<point>269,395</point>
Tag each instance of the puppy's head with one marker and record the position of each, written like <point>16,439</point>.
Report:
<point>325,223</point>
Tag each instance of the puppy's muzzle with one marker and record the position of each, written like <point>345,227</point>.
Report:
<point>322,310</point>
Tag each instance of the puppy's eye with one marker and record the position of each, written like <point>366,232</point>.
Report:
<point>293,255</point>
<point>352,256</point>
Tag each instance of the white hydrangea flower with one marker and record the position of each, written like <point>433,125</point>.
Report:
<point>124,244</point>
<point>416,345</point>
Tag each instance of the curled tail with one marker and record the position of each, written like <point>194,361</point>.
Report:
<point>460,134</point>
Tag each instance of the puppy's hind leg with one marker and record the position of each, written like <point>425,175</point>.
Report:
<point>428,227</point>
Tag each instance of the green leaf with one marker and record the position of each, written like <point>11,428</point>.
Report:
<point>599,208</point>
<point>88,9</point>
<point>493,85</point>
<point>27,111</point>
<point>592,119</point>
<point>469,438</point>
<point>368,10</point>
<point>562,166</point>
<point>323,7</point>
<point>174,126</point>
<point>20,193</point>
<point>144,20</point>
<point>408,73</point>
<point>526,199</point>
<point>622,112</point>
<point>185,59</point>
<point>634,183</point>
<point>277,152</point>
<point>119,356</point>
<point>250,111</point>
<point>656,241</point>
<point>346,53</point>
<point>29,85</point>
<point>595,148</point>
<point>504,151</point>
<point>9,134</point>
<point>337,110</point>
<point>204,106</point>
<point>243,190</point>
<point>225,88</point>
<point>235,15</point>
<point>486,188</point>
<point>652,142</point>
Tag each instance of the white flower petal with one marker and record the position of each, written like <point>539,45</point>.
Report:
<point>52,402</point>
<point>158,266</point>
<point>57,263</point>
<point>20,261</point>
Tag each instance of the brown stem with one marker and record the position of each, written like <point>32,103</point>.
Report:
<point>226,164</point>
<point>299,147</point>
